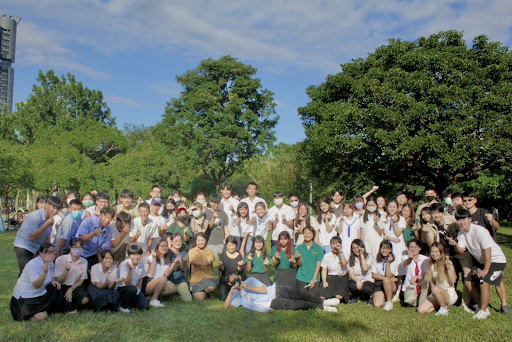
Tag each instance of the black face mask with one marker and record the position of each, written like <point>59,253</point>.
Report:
<point>430,198</point>
<point>182,218</point>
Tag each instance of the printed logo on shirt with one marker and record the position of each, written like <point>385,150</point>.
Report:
<point>314,253</point>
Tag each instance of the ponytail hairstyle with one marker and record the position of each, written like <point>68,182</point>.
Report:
<point>289,247</point>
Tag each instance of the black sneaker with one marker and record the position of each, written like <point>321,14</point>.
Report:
<point>354,300</point>
<point>505,310</point>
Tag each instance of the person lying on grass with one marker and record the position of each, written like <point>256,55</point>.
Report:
<point>253,295</point>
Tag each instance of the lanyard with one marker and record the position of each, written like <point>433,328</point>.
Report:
<point>390,224</point>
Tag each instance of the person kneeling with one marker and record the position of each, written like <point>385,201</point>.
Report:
<point>130,281</point>
<point>253,295</point>
<point>384,271</point>
<point>70,272</point>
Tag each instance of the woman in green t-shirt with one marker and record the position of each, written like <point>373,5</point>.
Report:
<point>284,260</point>
<point>257,263</point>
<point>411,230</point>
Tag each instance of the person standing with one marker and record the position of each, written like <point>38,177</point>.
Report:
<point>282,216</point>
<point>218,229</point>
<point>229,205</point>
<point>480,216</point>
<point>35,230</point>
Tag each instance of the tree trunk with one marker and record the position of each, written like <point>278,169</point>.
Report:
<point>16,199</point>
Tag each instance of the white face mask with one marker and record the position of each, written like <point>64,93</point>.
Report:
<point>371,208</point>
<point>201,201</point>
<point>294,204</point>
<point>278,201</point>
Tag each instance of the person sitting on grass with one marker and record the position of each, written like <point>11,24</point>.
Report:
<point>253,295</point>
<point>103,280</point>
<point>416,266</point>
<point>129,283</point>
<point>155,282</point>
<point>201,258</point>
<point>334,272</point>
<point>179,265</point>
<point>70,272</point>
<point>35,293</point>
<point>384,271</point>
<point>441,277</point>
<point>230,262</point>
<point>361,280</point>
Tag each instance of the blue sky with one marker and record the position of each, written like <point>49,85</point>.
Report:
<point>132,50</point>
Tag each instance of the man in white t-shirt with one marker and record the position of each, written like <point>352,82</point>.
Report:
<point>252,191</point>
<point>229,205</point>
<point>490,263</point>
<point>156,192</point>
<point>144,230</point>
<point>282,217</point>
<point>416,266</point>
<point>159,220</point>
<point>102,201</point>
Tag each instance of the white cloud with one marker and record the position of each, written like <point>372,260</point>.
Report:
<point>164,88</point>
<point>270,34</point>
<point>130,102</point>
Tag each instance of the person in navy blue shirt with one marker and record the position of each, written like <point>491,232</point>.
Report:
<point>35,230</point>
<point>96,235</point>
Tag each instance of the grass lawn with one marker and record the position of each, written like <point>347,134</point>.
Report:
<point>208,321</point>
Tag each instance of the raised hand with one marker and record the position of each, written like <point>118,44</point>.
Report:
<point>276,216</point>
<point>97,231</point>
<point>45,267</point>
<point>251,255</point>
<point>220,263</point>
<point>266,262</point>
<point>297,254</point>
<point>67,266</point>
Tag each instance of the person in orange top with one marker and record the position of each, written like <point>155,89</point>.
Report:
<point>201,259</point>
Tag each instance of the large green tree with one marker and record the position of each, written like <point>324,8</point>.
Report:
<point>433,111</point>
<point>222,117</point>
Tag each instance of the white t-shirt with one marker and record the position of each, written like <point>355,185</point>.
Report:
<point>32,271</point>
<point>252,205</point>
<point>370,233</point>
<point>367,276</point>
<point>159,222</point>
<point>137,273</point>
<point>349,232</point>
<point>224,206</point>
<point>149,231</point>
<point>261,226</point>
<point>323,236</point>
<point>91,210</point>
<point>411,271</point>
<point>98,276</point>
<point>285,210</point>
<point>77,271</point>
<point>56,226</point>
<point>477,240</point>
<point>379,267</point>
<point>333,264</point>
<point>243,227</point>
<point>159,268</point>
<point>116,234</point>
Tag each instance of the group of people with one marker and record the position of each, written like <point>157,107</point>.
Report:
<point>138,253</point>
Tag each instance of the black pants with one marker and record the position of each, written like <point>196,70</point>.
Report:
<point>130,298</point>
<point>224,289</point>
<point>288,298</point>
<point>23,256</point>
<point>365,292</point>
<point>78,295</point>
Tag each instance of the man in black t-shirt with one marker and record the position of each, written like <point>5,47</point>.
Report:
<point>480,216</point>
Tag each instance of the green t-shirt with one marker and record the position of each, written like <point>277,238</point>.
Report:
<point>284,264</point>
<point>257,263</point>
<point>175,228</point>
<point>309,257</point>
<point>409,235</point>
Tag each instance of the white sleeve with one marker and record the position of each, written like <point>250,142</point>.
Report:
<point>95,275</point>
<point>155,231</point>
<point>374,268</point>
<point>484,238</point>
<point>461,240</point>
<point>133,230</point>
<point>123,270</point>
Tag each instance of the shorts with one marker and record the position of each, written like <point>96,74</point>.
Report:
<point>145,282</point>
<point>452,293</point>
<point>203,285</point>
<point>493,277</point>
<point>378,286</point>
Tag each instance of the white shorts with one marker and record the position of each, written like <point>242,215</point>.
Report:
<point>451,293</point>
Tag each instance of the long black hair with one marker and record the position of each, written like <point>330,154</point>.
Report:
<point>352,259</point>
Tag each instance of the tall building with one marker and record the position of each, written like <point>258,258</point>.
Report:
<point>8,24</point>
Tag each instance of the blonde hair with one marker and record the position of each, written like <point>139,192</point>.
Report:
<point>441,264</point>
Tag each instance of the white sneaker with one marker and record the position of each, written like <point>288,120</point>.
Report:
<point>467,308</point>
<point>332,302</point>
<point>388,306</point>
<point>124,310</point>
<point>442,312</point>
<point>156,303</point>
<point>482,314</point>
<point>330,308</point>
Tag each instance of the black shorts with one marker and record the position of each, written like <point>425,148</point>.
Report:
<point>145,282</point>
<point>378,286</point>
<point>493,277</point>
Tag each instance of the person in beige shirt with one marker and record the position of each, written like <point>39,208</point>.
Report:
<point>201,259</point>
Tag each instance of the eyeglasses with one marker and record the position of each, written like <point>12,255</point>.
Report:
<point>468,200</point>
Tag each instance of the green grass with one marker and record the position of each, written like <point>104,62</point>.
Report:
<point>208,321</point>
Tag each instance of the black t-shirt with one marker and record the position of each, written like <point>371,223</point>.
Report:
<point>230,266</point>
<point>479,218</point>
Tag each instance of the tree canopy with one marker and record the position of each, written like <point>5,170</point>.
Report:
<point>222,117</point>
<point>431,111</point>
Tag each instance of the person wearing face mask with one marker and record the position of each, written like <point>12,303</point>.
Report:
<point>71,271</point>
<point>36,293</point>
<point>201,198</point>
<point>294,202</point>
<point>35,230</point>
<point>370,226</point>
<point>229,205</point>
<point>68,228</point>
<point>87,200</point>
<point>358,205</point>
<point>181,227</point>
<point>198,222</point>
<point>431,198</point>
<point>282,217</point>
<point>169,212</point>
